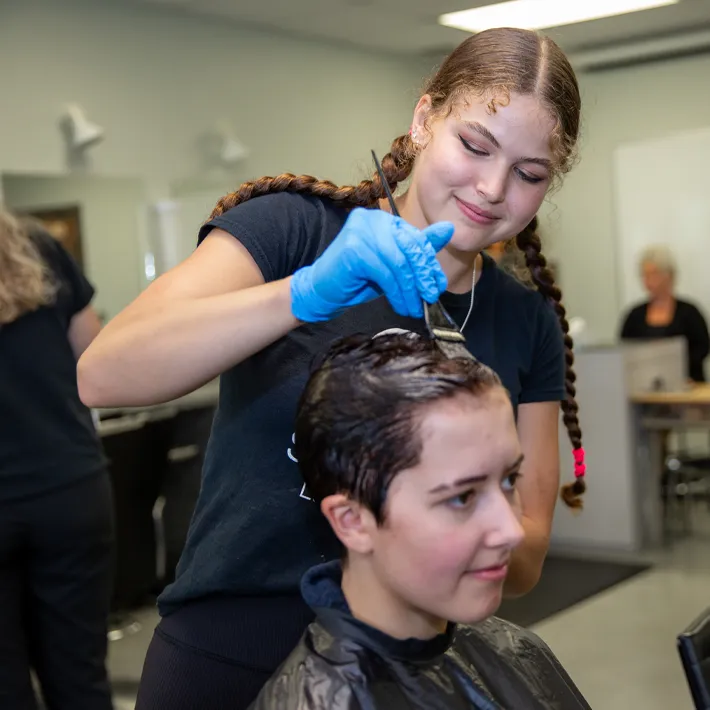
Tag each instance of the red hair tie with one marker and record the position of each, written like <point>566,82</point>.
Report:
<point>579,467</point>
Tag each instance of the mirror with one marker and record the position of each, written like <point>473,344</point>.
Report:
<point>100,220</point>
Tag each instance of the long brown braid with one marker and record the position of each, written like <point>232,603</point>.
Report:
<point>396,165</point>
<point>528,242</point>
<point>490,64</point>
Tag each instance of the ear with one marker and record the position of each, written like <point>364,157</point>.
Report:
<point>419,121</point>
<point>351,522</point>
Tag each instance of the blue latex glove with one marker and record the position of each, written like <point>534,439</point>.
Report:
<point>375,253</point>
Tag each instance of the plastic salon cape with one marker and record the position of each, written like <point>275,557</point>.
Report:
<point>343,664</point>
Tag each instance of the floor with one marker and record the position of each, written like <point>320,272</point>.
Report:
<point>618,646</point>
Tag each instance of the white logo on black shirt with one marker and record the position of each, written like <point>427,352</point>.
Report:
<point>289,452</point>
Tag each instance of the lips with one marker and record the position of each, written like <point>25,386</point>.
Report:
<point>475,213</point>
<point>478,210</point>
<point>494,573</point>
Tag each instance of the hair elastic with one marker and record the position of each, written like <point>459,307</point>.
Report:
<point>579,467</point>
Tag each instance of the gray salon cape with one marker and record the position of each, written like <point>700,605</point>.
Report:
<point>343,664</point>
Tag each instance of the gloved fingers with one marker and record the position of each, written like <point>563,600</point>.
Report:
<point>384,271</point>
<point>396,262</point>
<point>439,234</point>
<point>429,276</point>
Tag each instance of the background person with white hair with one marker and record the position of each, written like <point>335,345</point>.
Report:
<point>664,315</point>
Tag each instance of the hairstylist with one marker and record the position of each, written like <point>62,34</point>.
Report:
<point>286,265</point>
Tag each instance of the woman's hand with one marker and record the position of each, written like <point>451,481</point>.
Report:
<point>375,253</point>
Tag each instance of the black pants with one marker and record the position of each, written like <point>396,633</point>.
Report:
<point>55,588</point>
<point>218,653</point>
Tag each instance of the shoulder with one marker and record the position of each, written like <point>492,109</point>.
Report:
<point>638,310</point>
<point>307,680</point>
<point>505,639</point>
<point>287,210</point>
<point>689,308</point>
<point>513,294</point>
<point>536,323</point>
<point>282,231</point>
<point>48,248</point>
<point>522,655</point>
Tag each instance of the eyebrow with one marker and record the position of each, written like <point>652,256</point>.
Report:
<point>482,130</point>
<point>473,479</point>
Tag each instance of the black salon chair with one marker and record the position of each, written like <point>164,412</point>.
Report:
<point>694,650</point>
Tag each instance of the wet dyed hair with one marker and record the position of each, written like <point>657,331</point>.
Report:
<point>490,65</point>
<point>357,424</point>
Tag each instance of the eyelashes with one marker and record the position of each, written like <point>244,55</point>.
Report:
<point>466,499</point>
<point>526,177</point>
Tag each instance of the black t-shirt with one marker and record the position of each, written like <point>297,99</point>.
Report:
<point>254,530</point>
<point>47,438</point>
<point>688,322</point>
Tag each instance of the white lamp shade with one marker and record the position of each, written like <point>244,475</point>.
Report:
<point>81,132</point>
<point>233,151</point>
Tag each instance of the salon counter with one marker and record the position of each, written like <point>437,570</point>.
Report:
<point>155,457</point>
<point>111,420</point>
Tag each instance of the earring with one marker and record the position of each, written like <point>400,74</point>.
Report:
<point>414,134</point>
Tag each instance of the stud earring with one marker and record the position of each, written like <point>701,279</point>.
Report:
<point>414,134</point>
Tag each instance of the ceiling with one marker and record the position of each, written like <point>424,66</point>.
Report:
<point>410,27</point>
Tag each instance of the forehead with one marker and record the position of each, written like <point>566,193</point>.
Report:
<point>519,122</point>
<point>463,436</point>
<point>466,419</point>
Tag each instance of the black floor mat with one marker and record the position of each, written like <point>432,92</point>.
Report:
<point>564,583</point>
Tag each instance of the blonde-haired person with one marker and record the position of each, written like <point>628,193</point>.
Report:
<point>287,264</point>
<point>664,315</point>
<point>56,516</point>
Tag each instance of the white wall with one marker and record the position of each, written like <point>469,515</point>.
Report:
<point>158,81</point>
<point>620,106</point>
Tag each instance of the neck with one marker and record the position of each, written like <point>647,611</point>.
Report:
<point>664,300</point>
<point>372,603</point>
<point>456,264</point>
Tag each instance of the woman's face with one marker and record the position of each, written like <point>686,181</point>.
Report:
<point>452,521</point>
<point>656,281</point>
<point>486,172</point>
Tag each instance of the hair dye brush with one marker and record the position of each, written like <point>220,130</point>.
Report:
<point>440,325</point>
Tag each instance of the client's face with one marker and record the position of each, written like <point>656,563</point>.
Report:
<point>453,520</point>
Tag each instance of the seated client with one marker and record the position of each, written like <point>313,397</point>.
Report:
<point>413,459</point>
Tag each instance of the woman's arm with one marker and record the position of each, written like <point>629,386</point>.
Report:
<point>83,328</point>
<point>538,487</point>
<point>199,319</point>
<point>214,310</point>
<point>698,341</point>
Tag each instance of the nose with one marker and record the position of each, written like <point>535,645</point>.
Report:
<point>503,523</point>
<point>492,182</point>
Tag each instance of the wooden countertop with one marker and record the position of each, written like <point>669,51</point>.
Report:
<point>695,394</point>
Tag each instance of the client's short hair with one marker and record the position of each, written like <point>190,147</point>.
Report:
<point>357,424</point>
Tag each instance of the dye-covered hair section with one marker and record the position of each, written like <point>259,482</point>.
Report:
<point>357,424</point>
